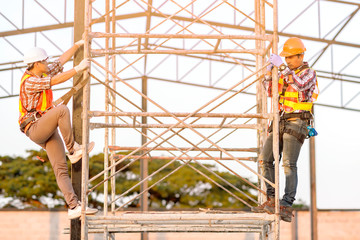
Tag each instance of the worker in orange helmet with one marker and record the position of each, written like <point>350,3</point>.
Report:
<point>297,91</point>
<point>39,119</point>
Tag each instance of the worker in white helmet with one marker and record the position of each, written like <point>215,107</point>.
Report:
<point>40,120</point>
<point>298,89</point>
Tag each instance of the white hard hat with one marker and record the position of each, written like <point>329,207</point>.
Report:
<point>34,55</point>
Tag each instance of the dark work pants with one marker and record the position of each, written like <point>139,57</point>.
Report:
<point>290,148</point>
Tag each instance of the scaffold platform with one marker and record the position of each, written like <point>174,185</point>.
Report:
<point>180,221</point>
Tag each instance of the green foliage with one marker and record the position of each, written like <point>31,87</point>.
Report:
<point>29,179</point>
<point>185,188</point>
<point>300,205</point>
<point>188,188</point>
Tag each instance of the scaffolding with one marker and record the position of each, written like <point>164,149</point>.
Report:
<point>179,32</point>
<point>327,42</point>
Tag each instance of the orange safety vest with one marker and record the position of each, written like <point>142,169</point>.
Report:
<point>44,102</point>
<point>289,99</point>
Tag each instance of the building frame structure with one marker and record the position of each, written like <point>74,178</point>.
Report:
<point>327,41</point>
<point>144,47</point>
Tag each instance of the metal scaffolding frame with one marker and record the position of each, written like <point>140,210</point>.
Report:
<point>169,125</point>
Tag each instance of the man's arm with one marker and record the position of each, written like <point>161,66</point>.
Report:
<point>304,81</point>
<point>63,77</point>
<point>66,56</point>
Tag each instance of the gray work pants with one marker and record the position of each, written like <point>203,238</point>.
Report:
<point>290,148</point>
<point>44,132</point>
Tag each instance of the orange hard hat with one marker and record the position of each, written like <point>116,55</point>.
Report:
<point>293,46</point>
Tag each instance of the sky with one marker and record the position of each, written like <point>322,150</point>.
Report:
<point>337,145</point>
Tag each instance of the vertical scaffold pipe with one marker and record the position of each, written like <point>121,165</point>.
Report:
<point>76,169</point>
<point>313,206</point>
<point>260,96</point>
<point>85,129</point>
<point>113,103</point>
<point>276,121</point>
<point>106,137</point>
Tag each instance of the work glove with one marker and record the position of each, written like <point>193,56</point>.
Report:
<point>269,67</point>
<point>84,64</point>
<point>80,43</point>
<point>275,60</point>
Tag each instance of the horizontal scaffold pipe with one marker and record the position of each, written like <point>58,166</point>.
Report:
<point>118,148</point>
<point>211,222</point>
<point>183,216</point>
<point>184,51</point>
<point>164,114</point>
<point>117,125</point>
<point>175,228</point>
<point>267,37</point>
<point>172,228</point>
<point>253,159</point>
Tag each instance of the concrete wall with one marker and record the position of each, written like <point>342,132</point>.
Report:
<point>49,225</point>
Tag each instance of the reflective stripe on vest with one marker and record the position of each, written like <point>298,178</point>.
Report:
<point>306,106</point>
<point>44,101</point>
<point>291,94</point>
<point>289,100</point>
<point>22,110</point>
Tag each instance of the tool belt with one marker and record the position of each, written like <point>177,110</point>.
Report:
<point>301,115</point>
<point>33,118</point>
<point>283,129</point>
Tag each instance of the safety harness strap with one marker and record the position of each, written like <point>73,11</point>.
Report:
<point>299,136</point>
<point>283,129</point>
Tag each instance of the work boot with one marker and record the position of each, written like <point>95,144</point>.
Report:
<point>76,212</point>
<point>270,208</point>
<point>286,213</point>
<point>261,208</point>
<point>77,154</point>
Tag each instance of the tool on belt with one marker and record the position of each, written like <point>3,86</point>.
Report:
<point>311,132</point>
<point>306,116</point>
<point>33,118</point>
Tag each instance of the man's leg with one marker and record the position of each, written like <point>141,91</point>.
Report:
<point>44,132</point>
<point>56,153</point>
<point>268,169</point>
<point>291,151</point>
<point>44,128</point>
<point>266,160</point>
<point>290,156</point>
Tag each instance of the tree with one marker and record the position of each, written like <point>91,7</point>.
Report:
<point>185,188</point>
<point>29,180</point>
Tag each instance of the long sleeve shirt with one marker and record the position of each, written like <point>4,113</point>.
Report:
<point>33,86</point>
<point>303,81</point>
